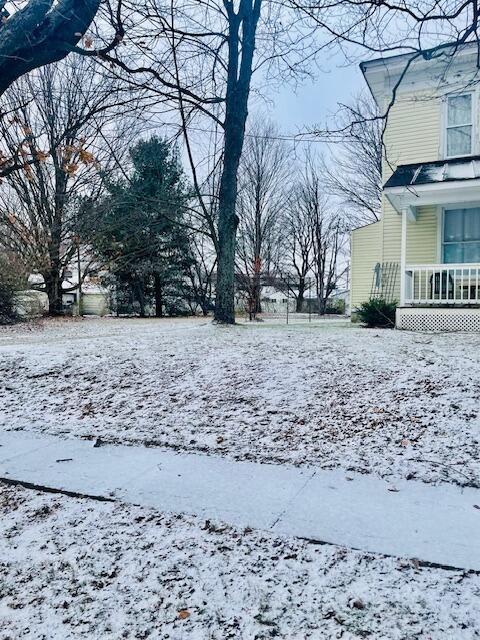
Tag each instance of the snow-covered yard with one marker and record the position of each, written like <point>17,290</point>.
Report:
<point>395,404</point>
<point>323,394</point>
<point>72,568</point>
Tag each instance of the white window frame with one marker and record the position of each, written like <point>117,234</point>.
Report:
<point>441,220</point>
<point>473,124</point>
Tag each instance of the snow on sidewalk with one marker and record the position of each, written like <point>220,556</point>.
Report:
<point>437,524</point>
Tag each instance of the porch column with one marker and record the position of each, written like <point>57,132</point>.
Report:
<point>403,257</point>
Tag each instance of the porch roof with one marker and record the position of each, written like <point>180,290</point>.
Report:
<point>454,181</point>
<point>466,168</point>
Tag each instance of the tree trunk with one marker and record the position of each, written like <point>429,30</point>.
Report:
<point>158,296</point>
<point>227,228</point>
<point>300,296</point>
<point>204,305</point>
<point>236,112</point>
<point>322,305</point>
<point>139,294</point>
<point>256,297</point>
<point>53,285</point>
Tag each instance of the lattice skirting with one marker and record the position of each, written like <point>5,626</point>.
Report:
<point>438,319</point>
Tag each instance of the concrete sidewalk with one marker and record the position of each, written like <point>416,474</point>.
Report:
<point>438,524</point>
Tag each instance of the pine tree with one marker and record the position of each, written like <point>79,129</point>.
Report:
<point>139,230</point>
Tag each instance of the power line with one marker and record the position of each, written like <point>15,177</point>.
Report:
<point>285,138</point>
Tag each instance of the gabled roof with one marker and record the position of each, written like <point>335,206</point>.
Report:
<point>467,168</point>
<point>382,73</point>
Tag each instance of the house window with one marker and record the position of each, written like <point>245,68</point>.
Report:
<point>459,135</point>
<point>461,235</point>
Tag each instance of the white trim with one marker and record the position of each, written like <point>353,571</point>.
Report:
<point>474,146</point>
<point>439,233</point>
<point>458,284</point>
<point>459,69</point>
<point>411,213</point>
<point>403,257</point>
<point>434,193</point>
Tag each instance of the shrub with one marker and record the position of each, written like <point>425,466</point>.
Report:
<point>8,286</point>
<point>336,307</point>
<point>377,312</point>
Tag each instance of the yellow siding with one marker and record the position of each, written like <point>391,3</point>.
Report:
<point>366,252</point>
<point>413,135</point>
<point>413,131</point>
<point>392,237</point>
<point>422,243</point>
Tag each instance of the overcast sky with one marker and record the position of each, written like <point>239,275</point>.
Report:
<point>312,103</point>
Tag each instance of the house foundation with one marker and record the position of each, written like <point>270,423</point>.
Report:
<point>438,319</point>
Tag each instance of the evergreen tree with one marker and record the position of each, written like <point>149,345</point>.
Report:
<point>139,231</point>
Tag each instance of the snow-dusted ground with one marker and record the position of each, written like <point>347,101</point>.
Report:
<point>396,404</point>
<point>72,568</point>
<point>435,523</point>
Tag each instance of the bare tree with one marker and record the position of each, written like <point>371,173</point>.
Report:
<point>264,171</point>
<point>62,118</point>
<point>297,243</point>
<point>327,231</point>
<point>200,271</point>
<point>200,58</point>
<point>40,32</point>
<point>424,30</point>
<point>328,244</point>
<point>353,170</point>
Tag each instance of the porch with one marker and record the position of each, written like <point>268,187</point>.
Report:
<point>441,294</point>
<point>443,285</point>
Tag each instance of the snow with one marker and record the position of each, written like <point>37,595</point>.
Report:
<point>324,402</point>
<point>72,568</point>
<point>450,171</point>
<point>393,404</point>
<point>438,524</point>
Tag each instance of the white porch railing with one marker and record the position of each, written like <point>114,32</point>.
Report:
<point>442,284</point>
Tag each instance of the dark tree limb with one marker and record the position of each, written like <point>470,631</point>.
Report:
<point>41,33</point>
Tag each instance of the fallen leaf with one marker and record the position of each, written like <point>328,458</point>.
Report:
<point>183,614</point>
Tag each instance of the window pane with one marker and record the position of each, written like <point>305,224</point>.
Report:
<point>471,252</point>
<point>453,253</point>
<point>453,225</point>
<point>459,110</point>
<point>471,224</point>
<point>459,141</point>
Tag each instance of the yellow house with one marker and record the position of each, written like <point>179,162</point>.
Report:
<point>424,253</point>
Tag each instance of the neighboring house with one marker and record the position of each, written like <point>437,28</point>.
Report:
<point>272,299</point>
<point>277,301</point>
<point>425,251</point>
<point>94,297</point>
